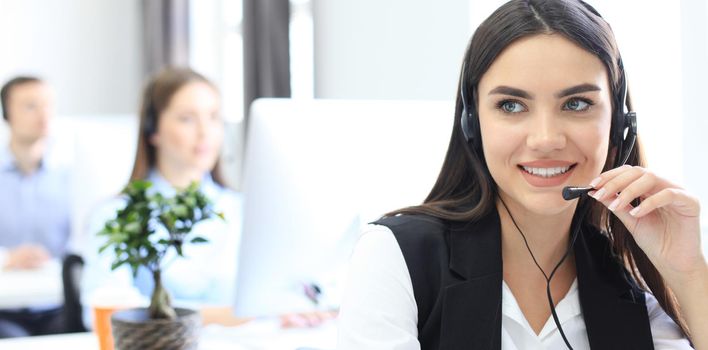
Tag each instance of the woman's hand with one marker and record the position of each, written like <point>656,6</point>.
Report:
<point>26,257</point>
<point>666,227</point>
<point>666,223</point>
<point>224,316</point>
<point>306,319</point>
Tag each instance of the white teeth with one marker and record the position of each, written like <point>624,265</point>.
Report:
<point>546,172</point>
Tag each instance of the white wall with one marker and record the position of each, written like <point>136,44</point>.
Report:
<point>396,49</point>
<point>89,50</point>
<point>695,117</point>
<point>694,46</point>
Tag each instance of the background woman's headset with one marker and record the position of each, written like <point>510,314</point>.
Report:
<point>149,123</point>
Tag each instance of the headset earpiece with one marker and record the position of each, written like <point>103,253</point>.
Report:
<point>465,123</point>
<point>469,123</point>
<point>625,133</point>
<point>150,123</point>
<point>627,138</point>
<point>466,116</point>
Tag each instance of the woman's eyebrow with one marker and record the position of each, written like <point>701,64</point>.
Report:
<point>577,89</point>
<point>507,90</point>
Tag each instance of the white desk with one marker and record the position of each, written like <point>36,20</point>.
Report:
<point>260,334</point>
<point>31,287</point>
<point>76,341</point>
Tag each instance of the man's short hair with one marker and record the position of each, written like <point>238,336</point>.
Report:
<point>7,89</point>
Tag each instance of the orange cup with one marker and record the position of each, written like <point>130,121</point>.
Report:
<point>102,326</point>
<point>106,301</point>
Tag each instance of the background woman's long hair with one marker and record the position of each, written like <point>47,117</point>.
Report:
<point>156,97</point>
<point>465,190</point>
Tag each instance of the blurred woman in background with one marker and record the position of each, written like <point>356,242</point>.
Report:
<point>179,142</point>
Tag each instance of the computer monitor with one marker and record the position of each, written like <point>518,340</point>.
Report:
<point>315,172</point>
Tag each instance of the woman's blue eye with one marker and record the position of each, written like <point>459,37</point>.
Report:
<point>577,105</point>
<point>511,107</point>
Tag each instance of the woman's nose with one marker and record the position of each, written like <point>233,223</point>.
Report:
<point>202,127</point>
<point>545,133</point>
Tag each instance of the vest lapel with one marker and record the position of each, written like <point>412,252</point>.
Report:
<point>614,308</point>
<point>471,314</point>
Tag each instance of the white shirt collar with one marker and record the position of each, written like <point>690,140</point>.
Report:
<point>207,185</point>
<point>566,309</point>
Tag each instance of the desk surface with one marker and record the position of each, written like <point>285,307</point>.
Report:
<point>258,334</point>
<point>28,288</point>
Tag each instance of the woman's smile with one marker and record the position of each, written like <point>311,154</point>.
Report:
<point>546,173</point>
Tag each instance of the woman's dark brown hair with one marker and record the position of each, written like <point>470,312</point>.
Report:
<point>465,190</point>
<point>156,97</point>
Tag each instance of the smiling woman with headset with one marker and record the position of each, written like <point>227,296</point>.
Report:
<point>503,254</point>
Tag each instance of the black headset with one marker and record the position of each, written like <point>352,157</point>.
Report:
<point>623,133</point>
<point>149,124</point>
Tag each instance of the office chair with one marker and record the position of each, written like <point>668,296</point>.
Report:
<point>72,267</point>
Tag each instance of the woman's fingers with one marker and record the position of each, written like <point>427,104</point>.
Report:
<point>630,188</point>
<point>606,176</point>
<point>616,180</point>
<point>624,184</point>
<point>677,199</point>
<point>613,180</point>
<point>618,187</point>
<point>306,319</point>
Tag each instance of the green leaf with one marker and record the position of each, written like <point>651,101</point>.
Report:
<point>118,238</point>
<point>117,264</point>
<point>104,247</point>
<point>180,211</point>
<point>190,202</point>
<point>199,240</point>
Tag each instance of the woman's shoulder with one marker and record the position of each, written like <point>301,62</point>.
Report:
<point>666,333</point>
<point>408,221</point>
<point>415,230</point>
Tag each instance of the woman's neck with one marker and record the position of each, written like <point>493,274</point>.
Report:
<point>548,236</point>
<point>178,177</point>
<point>28,155</point>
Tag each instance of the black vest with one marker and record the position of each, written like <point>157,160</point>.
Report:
<point>456,270</point>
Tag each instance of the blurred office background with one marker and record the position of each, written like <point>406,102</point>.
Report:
<point>97,54</point>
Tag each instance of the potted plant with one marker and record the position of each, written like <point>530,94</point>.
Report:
<point>136,241</point>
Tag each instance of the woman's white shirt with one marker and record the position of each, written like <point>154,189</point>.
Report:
<point>379,309</point>
<point>205,276</point>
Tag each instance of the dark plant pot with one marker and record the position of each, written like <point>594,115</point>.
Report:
<point>134,330</point>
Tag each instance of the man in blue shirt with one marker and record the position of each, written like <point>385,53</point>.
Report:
<point>34,199</point>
